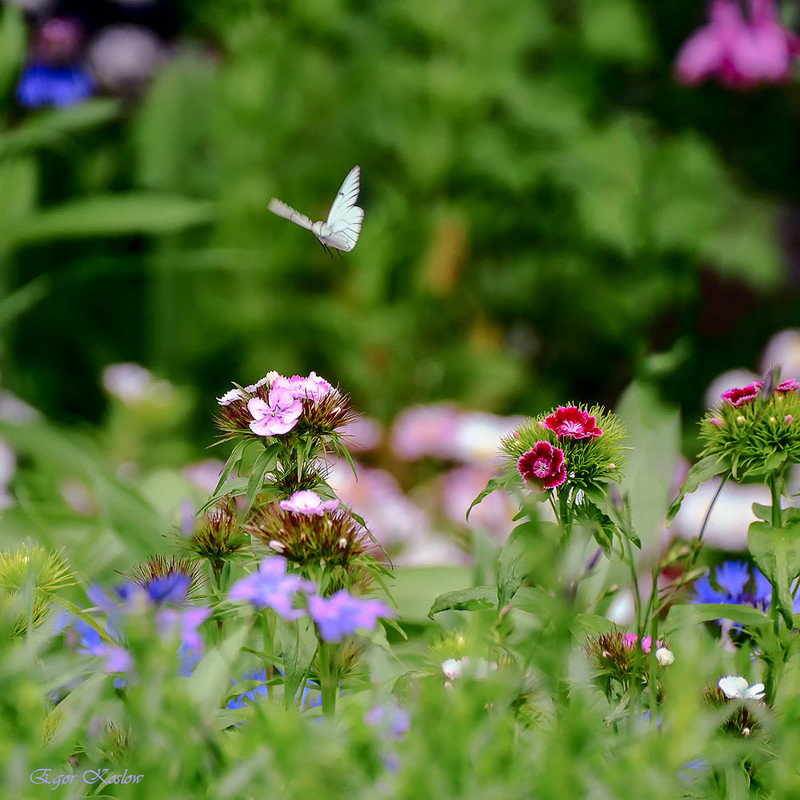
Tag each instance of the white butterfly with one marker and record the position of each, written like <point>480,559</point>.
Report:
<point>343,225</point>
<point>735,688</point>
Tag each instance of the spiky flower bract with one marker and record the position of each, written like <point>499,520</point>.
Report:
<point>28,576</point>
<point>753,436</point>
<point>332,542</point>
<point>151,574</point>
<point>590,462</point>
<point>218,535</point>
<point>619,660</point>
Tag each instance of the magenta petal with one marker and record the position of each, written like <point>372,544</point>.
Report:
<point>700,57</point>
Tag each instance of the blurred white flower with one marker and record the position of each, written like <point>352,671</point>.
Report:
<point>124,57</point>
<point>783,349</point>
<point>8,463</point>
<point>134,385</point>
<point>665,656</point>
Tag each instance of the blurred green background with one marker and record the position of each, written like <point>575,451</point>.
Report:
<point>548,214</point>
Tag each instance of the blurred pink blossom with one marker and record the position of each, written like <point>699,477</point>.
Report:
<point>739,51</point>
<point>460,486</point>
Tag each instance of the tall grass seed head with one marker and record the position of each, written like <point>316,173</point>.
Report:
<point>589,438</point>
<point>755,434</point>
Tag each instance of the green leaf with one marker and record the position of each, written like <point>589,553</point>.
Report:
<point>493,485</point>
<point>12,47</point>
<point>109,215</point>
<point>516,560</point>
<point>703,470</point>
<point>56,128</point>
<point>263,464</point>
<point>776,552</point>
<point>653,431</point>
<point>478,598</point>
<point>682,616</point>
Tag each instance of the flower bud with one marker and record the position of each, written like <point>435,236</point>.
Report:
<point>665,656</point>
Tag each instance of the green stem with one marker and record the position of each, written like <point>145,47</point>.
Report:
<point>328,677</point>
<point>774,670</point>
<point>775,492</point>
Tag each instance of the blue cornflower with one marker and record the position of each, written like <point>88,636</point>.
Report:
<point>740,584</point>
<point>310,696</point>
<point>736,584</point>
<point>170,589</point>
<point>46,85</point>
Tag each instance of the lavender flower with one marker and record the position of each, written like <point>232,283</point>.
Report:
<point>342,614</point>
<point>272,587</point>
<point>737,586</point>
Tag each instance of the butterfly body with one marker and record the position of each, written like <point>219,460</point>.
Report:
<point>343,226</point>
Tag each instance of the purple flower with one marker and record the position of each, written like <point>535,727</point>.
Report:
<point>392,722</point>
<point>739,52</point>
<point>115,657</point>
<point>278,416</point>
<point>308,502</point>
<point>271,586</point>
<point>342,614</point>
<point>184,624</point>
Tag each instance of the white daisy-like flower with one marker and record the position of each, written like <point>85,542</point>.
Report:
<point>735,687</point>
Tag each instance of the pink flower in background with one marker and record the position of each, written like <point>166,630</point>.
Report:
<point>460,486</point>
<point>572,422</point>
<point>739,51</point>
<point>788,386</point>
<point>738,396</point>
<point>308,502</point>
<point>278,416</point>
<point>544,464</point>
<point>422,431</point>
<point>362,433</point>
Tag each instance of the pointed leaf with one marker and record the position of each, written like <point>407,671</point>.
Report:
<point>478,598</point>
<point>703,470</point>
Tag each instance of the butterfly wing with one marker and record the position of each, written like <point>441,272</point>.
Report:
<point>287,212</point>
<point>345,229</point>
<point>346,196</point>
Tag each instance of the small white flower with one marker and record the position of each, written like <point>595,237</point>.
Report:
<point>737,688</point>
<point>452,668</point>
<point>230,397</point>
<point>277,546</point>
<point>342,543</point>
<point>665,656</point>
